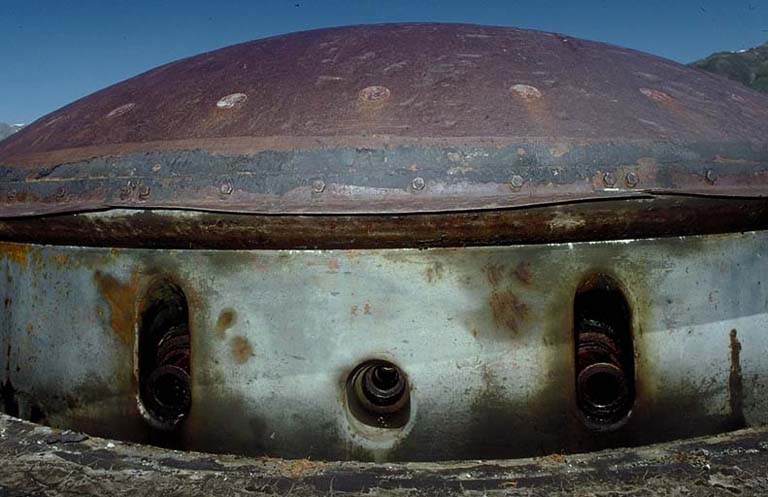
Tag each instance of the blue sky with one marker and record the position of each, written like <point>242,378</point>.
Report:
<point>53,52</point>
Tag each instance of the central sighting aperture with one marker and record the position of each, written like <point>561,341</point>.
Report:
<point>378,394</point>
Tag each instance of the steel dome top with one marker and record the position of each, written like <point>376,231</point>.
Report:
<point>393,119</point>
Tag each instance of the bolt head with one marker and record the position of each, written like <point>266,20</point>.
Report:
<point>632,179</point>
<point>418,183</point>
<point>516,181</point>
<point>710,176</point>
<point>609,179</point>
<point>226,187</point>
<point>144,191</point>
<point>318,186</point>
<point>127,190</point>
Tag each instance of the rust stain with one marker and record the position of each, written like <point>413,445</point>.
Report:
<point>507,310</point>
<point>434,272</point>
<point>523,272</point>
<point>494,273</point>
<point>99,261</point>
<point>367,309</point>
<point>121,299</point>
<point>333,265</point>
<point>241,349</point>
<point>30,329</point>
<point>16,252</point>
<point>60,259</point>
<point>227,318</point>
<point>735,383</point>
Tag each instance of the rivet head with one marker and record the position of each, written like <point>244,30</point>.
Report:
<point>226,187</point>
<point>127,190</point>
<point>516,181</point>
<point>418,183</point>
<point>631,179</point>
<point>609,179</point>
<point>144,192</point>
<point>710,176</point>
<point>318,186</point>
<point>61,192</point>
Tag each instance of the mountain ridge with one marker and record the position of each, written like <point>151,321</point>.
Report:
<point>749,67</point>
<point>7,130</point>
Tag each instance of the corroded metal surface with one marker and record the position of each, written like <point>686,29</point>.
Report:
<point>609,220</point>
<point>485,336</point>
<point>40,461</point>
<point>393,118</point>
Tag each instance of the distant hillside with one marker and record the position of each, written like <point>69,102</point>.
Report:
<point>7,130</point>
<point>749,67</point>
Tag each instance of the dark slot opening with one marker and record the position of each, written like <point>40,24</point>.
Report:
<point>164,354</point>
<point>605,366</point>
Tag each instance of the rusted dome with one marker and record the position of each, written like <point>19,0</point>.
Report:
<point>393,118</point>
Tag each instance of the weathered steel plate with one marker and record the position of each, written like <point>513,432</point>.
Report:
<point>660,216</point>
<point>393,118</point>
<point>485,335</point>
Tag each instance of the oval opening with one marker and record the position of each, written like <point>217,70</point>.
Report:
<point>164,354</point>
<point>605,368</point>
